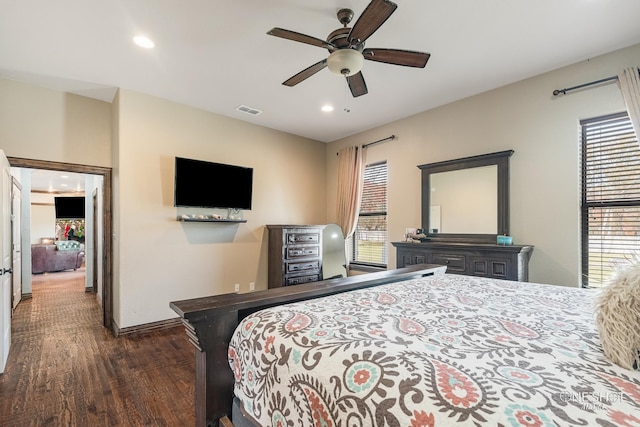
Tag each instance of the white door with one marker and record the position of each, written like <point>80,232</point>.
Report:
<point>5,258</point>
<point>16,209</point>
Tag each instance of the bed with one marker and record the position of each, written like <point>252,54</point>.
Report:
<point>422,350</point>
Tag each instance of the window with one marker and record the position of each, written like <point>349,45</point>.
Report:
<point>369,241</point>
<point>610,207</point>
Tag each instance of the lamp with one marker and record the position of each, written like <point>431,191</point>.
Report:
<point>345,62</point>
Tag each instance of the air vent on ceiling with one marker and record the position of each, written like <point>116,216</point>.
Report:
<point>248,110</point>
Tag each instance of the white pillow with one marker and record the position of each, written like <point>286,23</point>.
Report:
<point>618,316</point>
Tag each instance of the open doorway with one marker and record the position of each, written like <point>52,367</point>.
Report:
<point>61,226</point>
<point>106,225</point>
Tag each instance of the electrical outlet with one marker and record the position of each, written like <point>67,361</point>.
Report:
<point>252,286</point>
<point>237,287</point>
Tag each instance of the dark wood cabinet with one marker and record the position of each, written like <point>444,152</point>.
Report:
<point>509,262</point>
<point>295,254</point>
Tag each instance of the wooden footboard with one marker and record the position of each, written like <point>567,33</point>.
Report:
<point>211,321</point>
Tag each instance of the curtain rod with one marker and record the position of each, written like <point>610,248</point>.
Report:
<point>389,138</point>
<point>564,91</point>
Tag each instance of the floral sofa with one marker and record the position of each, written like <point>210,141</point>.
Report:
<point>62,255</point>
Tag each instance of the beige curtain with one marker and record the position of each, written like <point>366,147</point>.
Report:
<point>351,164</point>
<point>629,83</point>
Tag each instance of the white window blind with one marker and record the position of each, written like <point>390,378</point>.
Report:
<point>610,205</point>
<point>369,241</point>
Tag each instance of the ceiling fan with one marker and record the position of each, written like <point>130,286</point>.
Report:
<point>346,47</point>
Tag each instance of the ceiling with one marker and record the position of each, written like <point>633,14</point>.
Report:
<point>216,56</point>
<point>57,182</point>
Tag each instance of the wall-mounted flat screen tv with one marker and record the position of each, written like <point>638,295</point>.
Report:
<point>205,184</point>
<point>69,207</point>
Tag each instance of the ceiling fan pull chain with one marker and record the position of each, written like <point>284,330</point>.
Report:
<point>346,95</point>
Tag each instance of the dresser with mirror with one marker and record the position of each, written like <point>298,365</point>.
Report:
<point>465,207</point>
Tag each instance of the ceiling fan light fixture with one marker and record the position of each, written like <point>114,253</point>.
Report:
<point>345,62</point>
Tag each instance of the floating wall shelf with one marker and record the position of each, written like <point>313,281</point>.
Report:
<point>236,221</point>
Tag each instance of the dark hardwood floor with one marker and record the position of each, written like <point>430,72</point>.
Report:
<point>65,369</point>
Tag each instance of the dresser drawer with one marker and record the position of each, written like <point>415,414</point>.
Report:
<point>496,268</point>
<point>305,266</point>
<point>303,238</point>
<point>302,252</point>
<point>295,254</point>
<point>299,280</point>
<point>455,263</point>
<point>509,262</point>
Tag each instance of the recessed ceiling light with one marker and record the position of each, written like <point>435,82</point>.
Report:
<point>144,42</point>
<point>63,185</point>
<point>327,108</point>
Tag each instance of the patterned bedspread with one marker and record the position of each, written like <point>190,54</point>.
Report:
<point>441,350</point>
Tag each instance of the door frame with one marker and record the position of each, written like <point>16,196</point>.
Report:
<point>94,205</point>
<point>107,221</point>
<point>16,276</point>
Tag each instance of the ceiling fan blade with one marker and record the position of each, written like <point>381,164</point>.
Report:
<point>357,85</point>
<point>306,73</point>
<point>408,58</point>
<point>371,19</point>
<point>299,37</point>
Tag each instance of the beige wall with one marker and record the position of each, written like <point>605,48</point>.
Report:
<point>45,124</point>
<point>43,217</point>
<point>156,258</point>
<point>161,259</point>
<point>525,117</point>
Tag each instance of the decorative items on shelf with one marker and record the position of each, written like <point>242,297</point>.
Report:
<point>415,235</point>
<point>212,218</point>
<point>504,240</point>
<point>233,213</point>
<point>202,216</point>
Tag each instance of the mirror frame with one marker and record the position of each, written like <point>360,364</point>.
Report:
<point>501,160</point>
